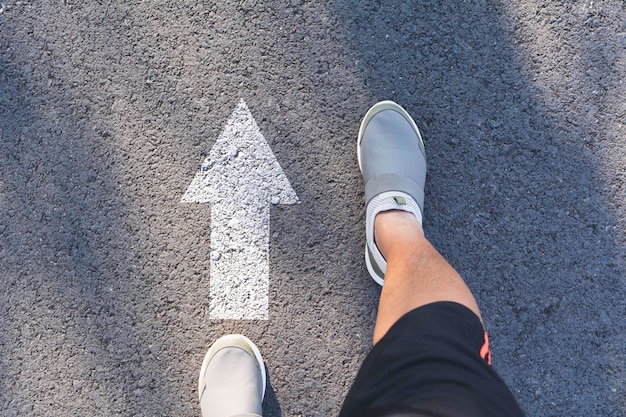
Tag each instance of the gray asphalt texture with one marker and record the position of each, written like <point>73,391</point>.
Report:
<point>107,110</point>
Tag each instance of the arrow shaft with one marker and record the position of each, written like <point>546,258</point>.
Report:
<point>239,280</point>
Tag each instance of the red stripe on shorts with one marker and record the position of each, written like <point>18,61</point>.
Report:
<point>485,353</point>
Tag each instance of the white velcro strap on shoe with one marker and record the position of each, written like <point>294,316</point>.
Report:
<point>390,200</point>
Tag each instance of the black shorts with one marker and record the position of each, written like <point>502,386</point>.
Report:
<point>434,361</point>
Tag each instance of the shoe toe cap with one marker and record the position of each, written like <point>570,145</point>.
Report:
<point>390,144</point>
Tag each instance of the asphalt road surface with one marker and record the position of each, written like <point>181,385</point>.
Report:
<point>107,110</point>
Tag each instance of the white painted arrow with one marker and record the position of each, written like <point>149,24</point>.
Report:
<point>240,179</point>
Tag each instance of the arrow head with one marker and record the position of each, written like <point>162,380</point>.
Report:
<point>241,166</point>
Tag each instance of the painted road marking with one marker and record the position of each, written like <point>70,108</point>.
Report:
<point>240,179</point>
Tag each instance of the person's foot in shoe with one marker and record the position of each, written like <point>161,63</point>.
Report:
<point>232,379</point>
<point>393,162</point>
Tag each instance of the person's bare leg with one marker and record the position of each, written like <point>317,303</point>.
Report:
<point>416,273</point>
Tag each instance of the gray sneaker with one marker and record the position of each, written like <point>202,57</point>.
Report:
<point>232,379</point>
<point>392,160</point>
